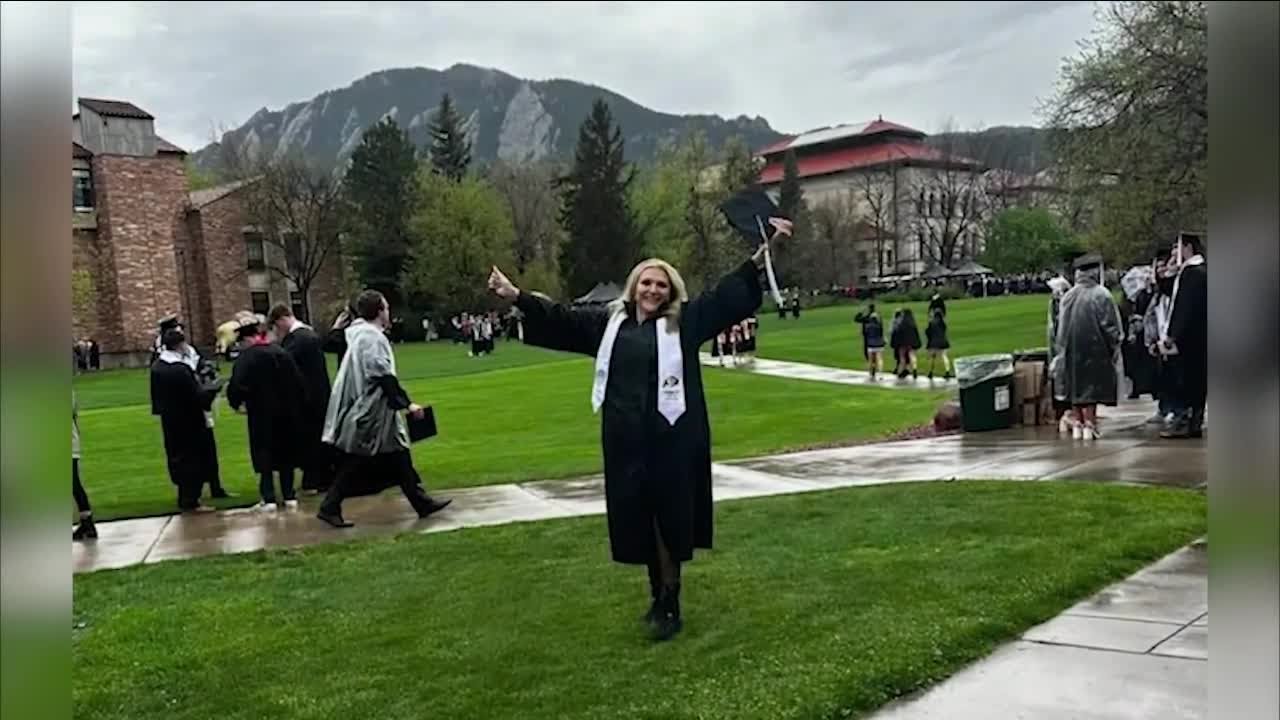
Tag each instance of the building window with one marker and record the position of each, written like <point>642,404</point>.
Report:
<point>888,258</point>
<point>299,307</point>
<point>920,203</point>
<point>261,302</point>
<point>256,250</point>
<point>920,243</point>
<point>862,258</point>
<point>81,190</point>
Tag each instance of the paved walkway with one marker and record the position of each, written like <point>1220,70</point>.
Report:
<point>804,371</point>
<point>1138,650</point>
<point>1129,452</point>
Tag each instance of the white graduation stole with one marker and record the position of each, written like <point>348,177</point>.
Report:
<point>671,401</point>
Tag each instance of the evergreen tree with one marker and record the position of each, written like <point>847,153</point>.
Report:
<point>450,148</point>
<point>596,213</point>
<point>790,195</point>
<point>793,259</point>
<point>380,184</point>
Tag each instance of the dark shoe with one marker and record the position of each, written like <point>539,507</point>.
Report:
<point>334,519</point>
<point>220,494</point>
<point>434,508</point>
<point>669,622</point>
<point>85,531</point>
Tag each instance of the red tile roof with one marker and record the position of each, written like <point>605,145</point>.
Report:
<point>822,136</point>
<point>854,158</point>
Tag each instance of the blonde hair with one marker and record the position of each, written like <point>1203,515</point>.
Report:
<point>677,298</point>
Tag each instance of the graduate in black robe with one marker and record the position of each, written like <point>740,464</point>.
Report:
<point>181,401</point>
<point>657,474</point>
<point>268,385</point>
<point>307,350</point>
<point>1188,337</point>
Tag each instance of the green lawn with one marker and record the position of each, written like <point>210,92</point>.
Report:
<point>819,605</point>
<point>525,422</point>
<point>829,336</point>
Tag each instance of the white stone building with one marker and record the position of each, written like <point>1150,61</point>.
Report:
<point>904,205</point>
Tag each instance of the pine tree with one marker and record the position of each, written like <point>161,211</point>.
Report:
<point>790,195</point>
<point>450,148</point>
<point>740,169</point>
<point>381,183</point>
<point>596,213</point>
<point>790,257</point>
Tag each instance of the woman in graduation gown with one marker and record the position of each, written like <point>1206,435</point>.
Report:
<point>655,435</point>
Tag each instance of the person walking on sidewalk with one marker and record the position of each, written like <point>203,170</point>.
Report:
<point>86,529</point>
<point>364,421</point>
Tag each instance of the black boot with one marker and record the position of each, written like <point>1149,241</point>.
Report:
<point>669,622</point>
<point>86,529</point>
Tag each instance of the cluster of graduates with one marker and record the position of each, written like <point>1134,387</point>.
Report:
<point>280,380</point>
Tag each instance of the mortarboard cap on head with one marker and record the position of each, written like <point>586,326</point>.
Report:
<point>749,210</point>
<point>1088,260</point>
<point>168,322</point>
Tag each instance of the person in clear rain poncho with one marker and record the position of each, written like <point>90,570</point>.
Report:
<point>1090,330</point>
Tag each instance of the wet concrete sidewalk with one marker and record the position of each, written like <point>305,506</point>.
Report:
<point>1138,650</point>
<point>841,376</point>
<point>1129,452</point>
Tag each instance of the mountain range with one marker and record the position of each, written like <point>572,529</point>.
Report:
<point>519,120</point>
<point>509,118</point>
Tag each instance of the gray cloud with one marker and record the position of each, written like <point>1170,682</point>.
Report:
<point>203,66</point>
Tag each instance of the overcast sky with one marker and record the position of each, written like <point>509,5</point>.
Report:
<point>202,66</point>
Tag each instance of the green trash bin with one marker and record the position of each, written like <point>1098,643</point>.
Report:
<point>986,392</point>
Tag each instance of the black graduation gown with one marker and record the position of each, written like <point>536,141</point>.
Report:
<point>1189,331</point>
<point>180,400</point>
<point>653,471</point>
<point>307,351</point>
<point>267,382</point>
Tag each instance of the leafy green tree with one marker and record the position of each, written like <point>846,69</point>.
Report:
<point>459,230</point>
<point>1131,125</point>
<point>1025,240</point>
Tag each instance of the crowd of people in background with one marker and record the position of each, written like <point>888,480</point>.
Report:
<point>1157,337</point>
<point>86,355</point>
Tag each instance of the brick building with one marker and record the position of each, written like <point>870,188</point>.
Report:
<point>145,247</point>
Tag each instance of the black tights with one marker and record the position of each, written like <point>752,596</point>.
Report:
<point>77,490</point>
<point>663,571</point>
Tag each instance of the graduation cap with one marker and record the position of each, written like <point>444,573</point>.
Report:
<point>169,322</point>
<point>750,213</point>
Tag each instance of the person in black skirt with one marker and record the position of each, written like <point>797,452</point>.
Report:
<point>905,340</point>
<point>937,343</point>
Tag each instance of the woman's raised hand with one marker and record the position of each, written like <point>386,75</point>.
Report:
<point>502,287</point>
